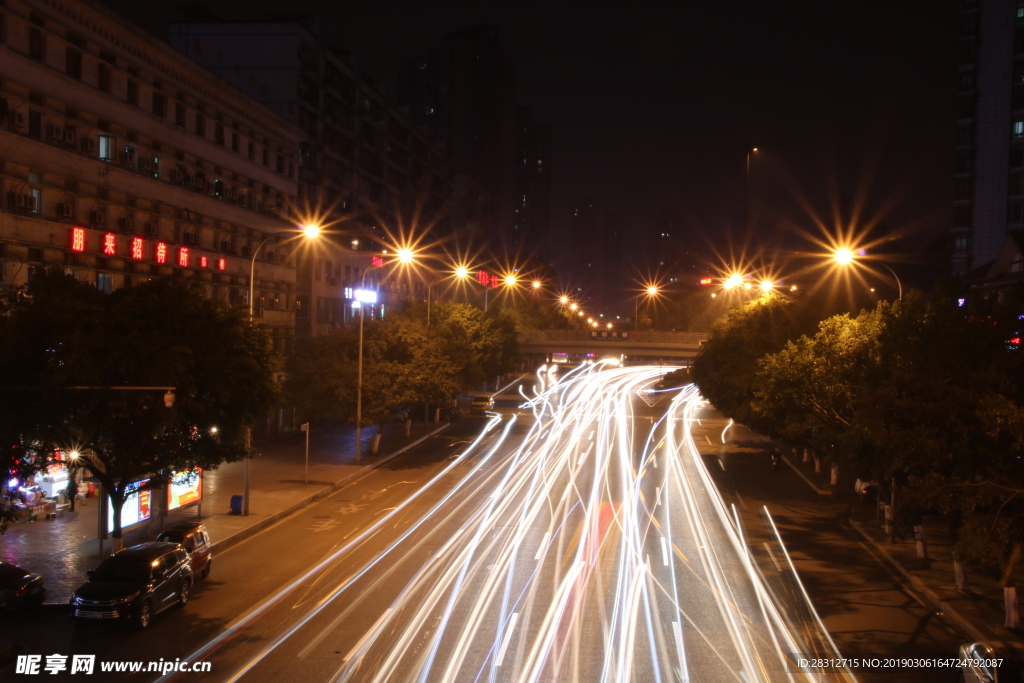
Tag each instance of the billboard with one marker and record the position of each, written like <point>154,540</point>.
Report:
<point>185,488</point>
<point>137,506</point>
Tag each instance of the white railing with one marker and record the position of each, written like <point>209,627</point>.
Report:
<point>689,338</point>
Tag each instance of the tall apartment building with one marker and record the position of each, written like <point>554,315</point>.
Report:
<point>592,258</point>
<point>463,93</point>
<point>530,232</point>
<point>364,168</point>
<point>989,200</point>
<point>121,161</point>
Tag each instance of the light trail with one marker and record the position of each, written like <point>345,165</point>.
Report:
<point>541,568</point>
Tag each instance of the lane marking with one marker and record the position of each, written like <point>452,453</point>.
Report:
<point>657,496</point>
<point>507,639</point>
<point>543,545</point>
<point>709,440</point>
<point>372,632</point>
<point>664,551</point>
<point>655,459</point>
<point>566,492</point>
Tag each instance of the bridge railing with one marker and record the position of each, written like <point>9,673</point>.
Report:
<point>527,336</point>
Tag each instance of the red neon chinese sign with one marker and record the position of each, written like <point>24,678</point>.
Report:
<point>161,252</point>
<point>482,277</point>
<point>77,236</point>
<point>378,261</point>
<point>705,281</point>
<point>203,262</point>
<point>222,264</point>
<point>183,256</point>
<point>110,244</point>
<point>137,248</point>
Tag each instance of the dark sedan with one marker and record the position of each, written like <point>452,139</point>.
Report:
<point>19,588</point>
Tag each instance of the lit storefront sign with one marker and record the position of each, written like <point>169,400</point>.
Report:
<point>78,241</point>
<point>185,488</point>
<point>137,506</point>
<point>366,296</point>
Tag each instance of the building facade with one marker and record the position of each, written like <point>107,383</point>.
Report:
<point>121,161</point>
<point>365,171</point>
<point>531,230</point>
<point>463,93</point>
<point>989,200</point>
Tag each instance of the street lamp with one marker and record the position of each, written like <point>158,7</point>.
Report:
<point>767,286</point>
<point>845,256</point>
<point>309,232</point>
<point>748,150</point>
<point>733,281</point>
<point>651,291</point>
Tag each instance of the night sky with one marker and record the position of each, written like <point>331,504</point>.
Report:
<point>849,102</point>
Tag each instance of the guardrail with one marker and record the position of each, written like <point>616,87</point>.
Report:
<point>643,337</point>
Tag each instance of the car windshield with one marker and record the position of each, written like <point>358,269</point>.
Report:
<point>169,537</point>
<point>8,572</point>
<point>482,399</point>
<point>117,569</point>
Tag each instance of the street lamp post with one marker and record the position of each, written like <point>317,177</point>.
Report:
<point>310,232</point>
<point>845,256</point>
<point>748,150</point>
<point>429,287</point>
<point>650,291</point>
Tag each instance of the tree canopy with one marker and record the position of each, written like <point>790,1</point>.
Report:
<point>160,333</point>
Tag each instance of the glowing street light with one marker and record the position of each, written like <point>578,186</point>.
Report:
<point>573,307</point>
<point>734,280</point>
<point>536,284</point>
<point>405,255</point>
<point>563,300</point>
<point>652,290</point>
<point>510,280</point>
<point>767,286</point>
<point>461,272</point>
<point>843,256</point>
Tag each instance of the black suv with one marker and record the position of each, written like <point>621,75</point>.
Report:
<point>134,584</point>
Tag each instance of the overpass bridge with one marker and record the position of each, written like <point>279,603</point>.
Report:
<point>634,345</point>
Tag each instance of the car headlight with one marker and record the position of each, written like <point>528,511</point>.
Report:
<point>127,598</point>
<point>75,600</point>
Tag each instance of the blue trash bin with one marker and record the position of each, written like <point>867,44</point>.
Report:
<point>236,505</point>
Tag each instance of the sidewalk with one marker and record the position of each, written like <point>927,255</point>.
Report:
<point>977,614</point>
<point>63,550</point>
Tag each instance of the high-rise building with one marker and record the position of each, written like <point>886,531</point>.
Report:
<point>592,258</point>
<point>364,168</point>
<point>990,132</point>
<point>121,161</point>
<point>463,93</point>
<point>530,233</point>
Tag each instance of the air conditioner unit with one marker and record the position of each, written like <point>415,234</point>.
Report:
<point>231,193</point>
<point>128,157</point>
<point>126,223</point>
<point>89,145</point>
<point>150,229</point>
<point>15,200</point>
<point>145,164</point>
<point>98,217</point>
<point>198,182</point>
<point>17,118</point>
<point>179,175</point>
<point>69,136</point>
<point>55,133</point>
<point>244,199</point>
<point>65,210</point>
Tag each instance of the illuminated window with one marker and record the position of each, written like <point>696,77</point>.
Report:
<point>222,264</point>
<point>77,239</point>
<point>204,262</point>
<point>1018,128</point>
<point>110,244</point>
<point>105,282</point>
<point>183,257</point>
<point>137,248</point>
<point>161,252</point>
<point>108,147</point>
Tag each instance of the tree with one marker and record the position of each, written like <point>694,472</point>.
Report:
<point>158,333</point>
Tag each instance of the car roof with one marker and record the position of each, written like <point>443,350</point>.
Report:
<point>187,526</point>
<point>146,551</point>
<point>482,398</point>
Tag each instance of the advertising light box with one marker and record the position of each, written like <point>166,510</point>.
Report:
<point>137,506</point>
<point>185,488</point>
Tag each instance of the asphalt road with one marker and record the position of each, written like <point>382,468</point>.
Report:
<point>582,539</point>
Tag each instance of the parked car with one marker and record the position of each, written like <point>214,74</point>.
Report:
<point>451,414</point>
<point>481,404</point>
<point>134,584</point>
<point>19,588</point>
<point>991,662</point>
<point>194,538</point>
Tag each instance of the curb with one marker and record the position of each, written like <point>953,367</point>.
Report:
<point>814,487</point>
<point>938,603</point>
<point>252,530</point>
<point>240,536</point>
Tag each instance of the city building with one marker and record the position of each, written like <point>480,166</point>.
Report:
<point>364,170</point>
<point>531,230</point>
<point>989,199</point>
<point>121,161</point>
<point>594,263</point>
<point>462,92</point>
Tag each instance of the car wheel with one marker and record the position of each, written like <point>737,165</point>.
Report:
<point>206,569</point>
<point>142,615</point>
<point>183,592</point>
